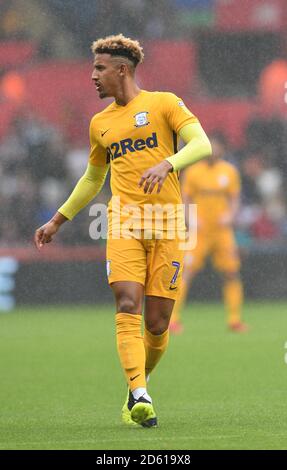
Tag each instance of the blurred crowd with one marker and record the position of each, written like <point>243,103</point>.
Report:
<point>263,167</point>
<point>38,169</point>
<point>65,29</point>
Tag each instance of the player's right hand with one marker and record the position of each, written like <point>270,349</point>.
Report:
<point>45,233</point>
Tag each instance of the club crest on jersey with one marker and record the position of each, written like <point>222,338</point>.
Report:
<point>141,119</point>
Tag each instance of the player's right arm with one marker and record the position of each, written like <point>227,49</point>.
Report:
<point>89,185</point>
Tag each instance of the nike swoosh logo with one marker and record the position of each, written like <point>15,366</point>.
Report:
<point>173,288</point>
<point>133,378</point>
<point>103,133</point>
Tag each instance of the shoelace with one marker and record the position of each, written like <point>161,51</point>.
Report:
<point>132,401</point>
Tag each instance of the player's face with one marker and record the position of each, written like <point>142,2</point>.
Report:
<point>218,150</point>
<point>105,75</point>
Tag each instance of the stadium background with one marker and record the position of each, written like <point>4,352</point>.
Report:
<point>227,60</point>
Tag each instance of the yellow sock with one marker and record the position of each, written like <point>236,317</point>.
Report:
<point>233,297</point>
<point>131,349</point>
<point>155,346</point>
<point>180,301</point>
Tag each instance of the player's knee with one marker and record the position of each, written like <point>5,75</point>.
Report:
<point>158,329</point>
<point>128,305</point>
<point>158,326</point>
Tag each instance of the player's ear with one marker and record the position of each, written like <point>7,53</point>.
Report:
<point>123,69</point>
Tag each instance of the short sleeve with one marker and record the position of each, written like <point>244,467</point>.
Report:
<point>176,113</point>
<point>98,154</point>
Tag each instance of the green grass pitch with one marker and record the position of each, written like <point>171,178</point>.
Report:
<point>61,386</point>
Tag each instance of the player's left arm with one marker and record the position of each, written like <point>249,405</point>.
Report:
<point>197,147</point>
<point>184,123</point>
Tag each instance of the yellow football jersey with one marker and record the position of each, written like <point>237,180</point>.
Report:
<point>136,137</point>
<point>210,187</point>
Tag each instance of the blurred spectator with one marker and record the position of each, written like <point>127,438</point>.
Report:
<point>37,172</point>
<point>251,168</point>
<point>76,162</point>
<point>263,209</point>
<point>264,229</point>
<point>11,23</point>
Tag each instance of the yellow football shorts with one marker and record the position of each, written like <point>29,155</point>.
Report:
<point>220,244</point>
<point>156,264</point>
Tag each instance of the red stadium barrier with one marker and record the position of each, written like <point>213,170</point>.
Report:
<point>251,15</point>
<point>169,66</point>
<point>14,53</point>
<point>230,116</point>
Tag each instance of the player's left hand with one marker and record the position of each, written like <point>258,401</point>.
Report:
<point>155,175</point>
